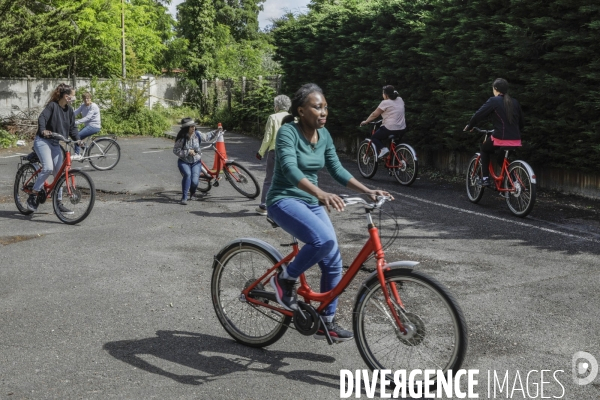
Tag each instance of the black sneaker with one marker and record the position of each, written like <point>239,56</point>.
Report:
<point>32,202</point>
<point>484,182</point>
<point>64,210</point>
<point>337,333</point>
<point>285,292</point>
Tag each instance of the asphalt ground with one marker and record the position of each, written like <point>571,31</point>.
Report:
<point>119,305</point>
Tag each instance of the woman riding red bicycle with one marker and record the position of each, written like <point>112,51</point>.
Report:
<point>57,117</point>
<point>391,110</point>
<point>507,118</point>
<point>297,204</point>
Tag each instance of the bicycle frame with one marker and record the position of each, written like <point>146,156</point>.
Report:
<point>498,179</point>
<point>373,245</point>
<point>392,153</point>
<point>49,187</point>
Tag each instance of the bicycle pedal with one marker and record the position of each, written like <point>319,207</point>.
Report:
<point>287,244</point>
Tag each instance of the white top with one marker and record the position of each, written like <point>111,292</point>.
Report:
<point>91,115</point>
<point>393,114</point>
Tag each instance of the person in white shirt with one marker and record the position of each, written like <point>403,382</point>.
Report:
<point>282,104</point>
<point>391,110</point>
<point>90,117</point>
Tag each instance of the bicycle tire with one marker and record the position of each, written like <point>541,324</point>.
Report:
<point>405,165</point>
<point>366,158</point>
<point>104,153</point>
<point>238,176</point>
<point>236,266</point>
<point>23,175</point>
<point>80,194</point>
<point>521,197</point>
<point>434,319</point>
<point>474,191</point>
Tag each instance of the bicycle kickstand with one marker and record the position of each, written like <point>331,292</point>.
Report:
<point>327,335</point>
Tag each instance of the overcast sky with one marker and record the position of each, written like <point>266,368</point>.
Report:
<point>272,9</point>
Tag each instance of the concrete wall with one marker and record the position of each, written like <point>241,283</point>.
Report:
<point>20,94</point>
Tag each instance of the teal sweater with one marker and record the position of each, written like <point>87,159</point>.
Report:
<point>295,159</point>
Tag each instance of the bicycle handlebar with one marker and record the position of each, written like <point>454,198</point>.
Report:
<point>483,130</point>
<point>359,200</point>
<point>58,136</point>
<point>376,122</point>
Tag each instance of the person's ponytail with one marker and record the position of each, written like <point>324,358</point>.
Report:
<point>501,86</point>
<point>287,119</point>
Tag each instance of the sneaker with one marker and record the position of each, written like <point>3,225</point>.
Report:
<point>183,202</point>
<point>383,152</point>
<point>285,292</point>
<point>32,202</point>
<point>261,211</point>
<point>63,209</point>
<point>76,157</point>
<point>337,333</point>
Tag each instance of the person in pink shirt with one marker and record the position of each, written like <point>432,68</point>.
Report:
<point>507,118</point>
<point>391,109</point>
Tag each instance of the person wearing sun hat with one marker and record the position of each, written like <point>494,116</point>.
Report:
<point>187,148</point>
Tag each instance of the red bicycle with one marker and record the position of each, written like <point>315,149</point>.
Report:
<point>71,186</point>
<point>516,182</point>
<point>240,178</point>
<point>396,307</point>
<point>401,161</point>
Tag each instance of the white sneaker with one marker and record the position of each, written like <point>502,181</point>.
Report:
<point>76,157</point>
<point>383,152</point>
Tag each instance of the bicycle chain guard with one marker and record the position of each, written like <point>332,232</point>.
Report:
<point>306,319</point>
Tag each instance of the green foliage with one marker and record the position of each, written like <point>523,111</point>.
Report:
<point>83,37</point>
<point>175,114</point>
<point>442,56</point>
<point>223,40</point>
<point>6,139</point>
<point>123,107</point>
<point>248,115</point>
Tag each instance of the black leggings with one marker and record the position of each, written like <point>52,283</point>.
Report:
<point>384,133</point>
<point>487,149</point>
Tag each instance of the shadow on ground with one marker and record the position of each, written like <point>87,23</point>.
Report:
<point>214,357</point>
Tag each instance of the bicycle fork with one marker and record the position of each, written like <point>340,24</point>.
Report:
<point>395,296</point>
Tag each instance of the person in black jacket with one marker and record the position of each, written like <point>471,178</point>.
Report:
<point>57,117</point>
<point>507,118</point>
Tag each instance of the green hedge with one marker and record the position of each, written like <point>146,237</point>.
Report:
<point>443,55</point>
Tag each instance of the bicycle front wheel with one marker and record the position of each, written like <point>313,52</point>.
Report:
<point>104,154</point>
<point>520,197</point>
<point>436,335</point>
<point>474,176</point>
<point>235,269</point>
<point>73,198</point>
<point>241,179</point>
<point>405,165</point>
<point>367,159</point>
<point>24,181</point>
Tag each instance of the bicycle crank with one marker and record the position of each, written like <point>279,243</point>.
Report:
<point>306,319</point>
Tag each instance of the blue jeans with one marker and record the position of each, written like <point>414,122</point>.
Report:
<point>310,224</point>
<point>51,156</point>
<point>191,174</point>
<point>270,157</point>
<point>85,132</point>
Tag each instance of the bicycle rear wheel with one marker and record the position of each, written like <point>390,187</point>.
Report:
<point>405,166</point>
<point>367,159</point>
<point>474,176</point>
<point>104,153</point>
<point>234,269</point>
<point>521,195</point>
<point>77,196</point>
<point>436,330</point>
<point>241,179</point>
<point>24,180</point>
